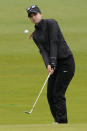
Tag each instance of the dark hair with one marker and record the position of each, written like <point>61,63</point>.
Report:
<point>33,9</point>
<point>29,15</point>
<point>30,36</point>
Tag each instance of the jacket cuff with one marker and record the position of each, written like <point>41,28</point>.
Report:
<point>53,62</point>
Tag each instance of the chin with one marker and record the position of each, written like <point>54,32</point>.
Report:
<point>36,22</point>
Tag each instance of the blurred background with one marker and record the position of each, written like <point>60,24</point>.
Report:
<point>22,70</point>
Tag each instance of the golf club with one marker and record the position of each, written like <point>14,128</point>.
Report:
<point>38,95</point>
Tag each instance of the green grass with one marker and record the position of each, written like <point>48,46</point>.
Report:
<point>22,71</point>
<point>42,127</point>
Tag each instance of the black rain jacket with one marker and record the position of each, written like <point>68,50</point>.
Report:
<point>50,41</point>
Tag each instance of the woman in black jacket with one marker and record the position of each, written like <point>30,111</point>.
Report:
<point>58,60</point>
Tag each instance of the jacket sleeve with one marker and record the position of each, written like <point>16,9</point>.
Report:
<point>43,52</point>
<point>53,38</point>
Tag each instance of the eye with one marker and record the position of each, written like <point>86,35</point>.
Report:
<point>35,13</point>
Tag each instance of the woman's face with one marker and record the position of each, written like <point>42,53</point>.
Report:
<point>35,17</point>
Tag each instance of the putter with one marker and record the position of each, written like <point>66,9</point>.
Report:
<point>38,95</point>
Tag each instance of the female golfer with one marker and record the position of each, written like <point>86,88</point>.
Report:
<point>58,60</point>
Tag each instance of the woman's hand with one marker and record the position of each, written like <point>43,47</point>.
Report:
<point>50,70</point>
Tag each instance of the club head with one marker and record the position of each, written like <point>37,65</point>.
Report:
<point>27,112</point>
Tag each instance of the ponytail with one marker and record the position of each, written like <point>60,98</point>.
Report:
<point>30,36</point>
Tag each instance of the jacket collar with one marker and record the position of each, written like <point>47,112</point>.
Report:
<point>40,24</point>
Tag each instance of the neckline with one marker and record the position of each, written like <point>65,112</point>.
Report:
<point>40,24</point>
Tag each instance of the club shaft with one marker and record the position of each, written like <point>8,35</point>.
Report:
<point>41,91</point>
